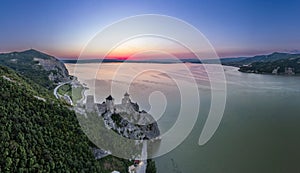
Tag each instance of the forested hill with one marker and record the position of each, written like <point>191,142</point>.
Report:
<point>40,134</point>
<point>288,66</point>
<point>43,69</point>
<point>275,63</point>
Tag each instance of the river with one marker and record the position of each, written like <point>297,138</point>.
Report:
<point>259,131</point>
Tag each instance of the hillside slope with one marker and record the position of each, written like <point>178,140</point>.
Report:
<point>43,69</point>
<point>238,62</point>
<point>40,134</point>
<point>276,63</point>
<point>284,66</point>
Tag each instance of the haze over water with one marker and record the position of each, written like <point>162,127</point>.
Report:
<point>259,131</point>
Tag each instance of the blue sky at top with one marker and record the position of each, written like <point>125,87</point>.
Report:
<point>235,28</point>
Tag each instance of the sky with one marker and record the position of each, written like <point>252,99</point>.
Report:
<point>233,27</point>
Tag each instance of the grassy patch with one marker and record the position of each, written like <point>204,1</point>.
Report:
<point>74,93</point>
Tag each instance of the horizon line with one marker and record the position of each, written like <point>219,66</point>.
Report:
<point>122,58</point>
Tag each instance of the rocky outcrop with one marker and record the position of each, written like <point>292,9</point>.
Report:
<point>58,71</point>
<point>44,69</point>
<point>127,120</point>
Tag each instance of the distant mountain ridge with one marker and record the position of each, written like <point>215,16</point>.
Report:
<point>234,61</point>
<point>240,61</point>
<point>158,61</point>
<point>44,69</point>
<point>275,63</point>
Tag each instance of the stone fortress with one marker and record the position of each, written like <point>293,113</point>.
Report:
<point>132,123</point>
<point>126,107</point>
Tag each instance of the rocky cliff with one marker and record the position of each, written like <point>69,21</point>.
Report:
<point>44,69</point>
<point>127,120</point>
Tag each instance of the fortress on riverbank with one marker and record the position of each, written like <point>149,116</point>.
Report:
<point>128,109</point>
<point>125,118</point>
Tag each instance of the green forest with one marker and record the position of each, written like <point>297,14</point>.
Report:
<point>42,134</point>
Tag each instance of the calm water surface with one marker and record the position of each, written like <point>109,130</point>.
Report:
<point>259,132</point>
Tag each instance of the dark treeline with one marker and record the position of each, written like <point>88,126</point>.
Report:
<point>43,136</point>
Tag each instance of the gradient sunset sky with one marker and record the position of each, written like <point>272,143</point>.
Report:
<point>234,27</point>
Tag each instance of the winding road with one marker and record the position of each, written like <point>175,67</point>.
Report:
<point>56,88</point>
<point>142,167</point>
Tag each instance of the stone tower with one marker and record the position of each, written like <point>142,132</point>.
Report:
<point>110,104</point>
<point>126,100</point>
